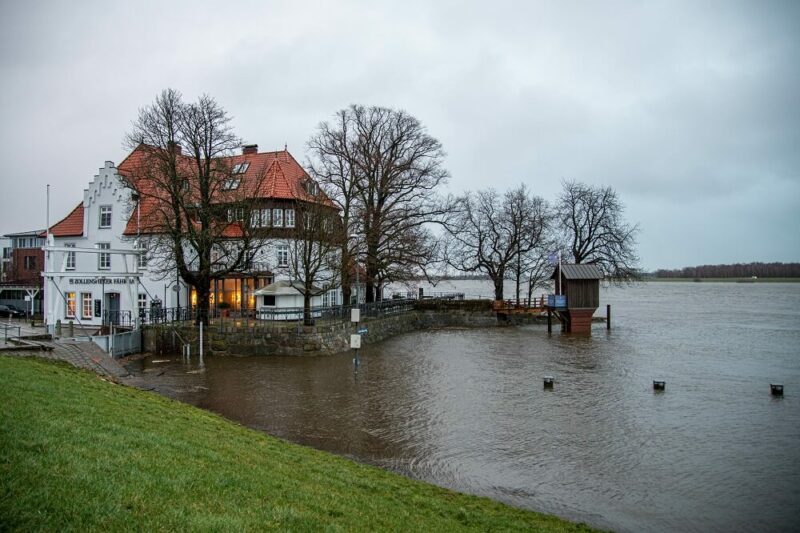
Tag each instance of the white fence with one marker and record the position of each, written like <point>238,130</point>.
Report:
<point>120,344</point>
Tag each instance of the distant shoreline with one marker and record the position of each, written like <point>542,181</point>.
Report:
<point>724,280</point>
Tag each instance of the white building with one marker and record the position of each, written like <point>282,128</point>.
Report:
<point>96,274</point>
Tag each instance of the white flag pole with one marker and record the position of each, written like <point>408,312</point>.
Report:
<point>559,272</point>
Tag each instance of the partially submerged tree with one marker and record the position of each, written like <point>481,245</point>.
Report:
<point>382,168</point>
<point>195,205</point>
<point>594,231</point>
<point>495,234</point>
<point>314,246</point>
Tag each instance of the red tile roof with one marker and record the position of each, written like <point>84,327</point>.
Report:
<point>270,175</point>
<point>70,226</point>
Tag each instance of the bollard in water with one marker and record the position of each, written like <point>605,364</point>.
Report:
<point>71,329</point>
<point>659,384</point>
<point>58,327</point>
<point>776,389</point>
<point>548,382</point>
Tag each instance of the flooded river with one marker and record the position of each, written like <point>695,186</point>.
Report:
<point>466,409</point>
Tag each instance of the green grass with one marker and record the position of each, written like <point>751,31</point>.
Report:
<point>79,453</point>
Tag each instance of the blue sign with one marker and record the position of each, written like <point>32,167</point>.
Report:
<point>362,331</point>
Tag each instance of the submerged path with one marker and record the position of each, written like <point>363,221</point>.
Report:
<point>80,354</point>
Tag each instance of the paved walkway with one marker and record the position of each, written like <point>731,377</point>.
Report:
<point>79,353</point>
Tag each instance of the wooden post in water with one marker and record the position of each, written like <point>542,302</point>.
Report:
<point>549,321</point>
<point>608,316</point>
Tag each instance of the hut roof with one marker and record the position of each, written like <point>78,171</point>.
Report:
<point>579,272</point>
<point>285,287</point>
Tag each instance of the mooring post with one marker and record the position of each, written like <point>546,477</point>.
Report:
<point>549,321</point>
<point>608,316</point>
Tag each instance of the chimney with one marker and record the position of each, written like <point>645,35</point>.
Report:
<point>173,147</point>
<point>249,149</point>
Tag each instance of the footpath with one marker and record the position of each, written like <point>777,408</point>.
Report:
<point>79,353</point>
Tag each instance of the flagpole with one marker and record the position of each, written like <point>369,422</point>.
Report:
<point>559,272</point>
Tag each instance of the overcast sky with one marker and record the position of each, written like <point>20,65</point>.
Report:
<point>691,111</point>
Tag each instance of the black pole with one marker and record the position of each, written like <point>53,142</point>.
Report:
<point>549,321</point>
<point>608,316</point>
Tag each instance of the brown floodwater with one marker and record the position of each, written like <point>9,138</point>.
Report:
<point>466,409</point>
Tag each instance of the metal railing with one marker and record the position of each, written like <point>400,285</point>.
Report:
<point>6,328</point>
<point>285,315</point>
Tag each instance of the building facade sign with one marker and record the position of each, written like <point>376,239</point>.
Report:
<point>101,281</point>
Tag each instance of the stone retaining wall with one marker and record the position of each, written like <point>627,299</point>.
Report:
<point>259,338</point>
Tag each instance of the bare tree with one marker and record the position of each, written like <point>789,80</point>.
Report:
<point>493,234</point>
<point>594,231</point>
<point>195,205</point>
<point>382,168</point>
<point>332,163</point>
<point>314,248</point>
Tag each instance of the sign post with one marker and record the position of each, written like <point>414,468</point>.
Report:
<point>355,338</point>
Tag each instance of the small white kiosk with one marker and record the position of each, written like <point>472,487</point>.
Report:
<point>283,300</point>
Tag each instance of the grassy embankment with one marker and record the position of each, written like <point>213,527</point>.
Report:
<point>79,453</point>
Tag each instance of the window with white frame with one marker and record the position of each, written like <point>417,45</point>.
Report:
<point>277,218</point>
<point>142,258</point>
<point>103,259</point>
<point>265,218</point>
<point>105,216</point>
<point>289,213</point>
<point>69,263</point>
<point>235,214</point>
<point>70,297</point>
<point>283,255</point>
<point>86,301</point>
<point>255,218</point>
<point>142,303</point>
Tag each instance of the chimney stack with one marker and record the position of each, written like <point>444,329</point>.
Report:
<point>173,147</point>
<point>249,149</point>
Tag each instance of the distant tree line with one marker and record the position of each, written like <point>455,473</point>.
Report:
<point>738,270</point>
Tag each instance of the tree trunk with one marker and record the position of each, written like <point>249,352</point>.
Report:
<point>203,293</point>
<point>498,287</point>
<point>347,281</point>
<point>308,320</point>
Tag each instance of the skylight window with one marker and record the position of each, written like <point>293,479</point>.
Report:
<point>240,168</point>
<point>231,184</point>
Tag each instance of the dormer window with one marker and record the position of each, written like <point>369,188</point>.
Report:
<point>312,188</point>
<point>240,168</point>
<point>231,184</point>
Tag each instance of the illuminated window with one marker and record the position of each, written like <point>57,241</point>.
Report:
<point>70,304</point>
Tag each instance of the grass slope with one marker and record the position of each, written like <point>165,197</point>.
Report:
<point>79,453</point>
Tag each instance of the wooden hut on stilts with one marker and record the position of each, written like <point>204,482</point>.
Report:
<point>577,296</point>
